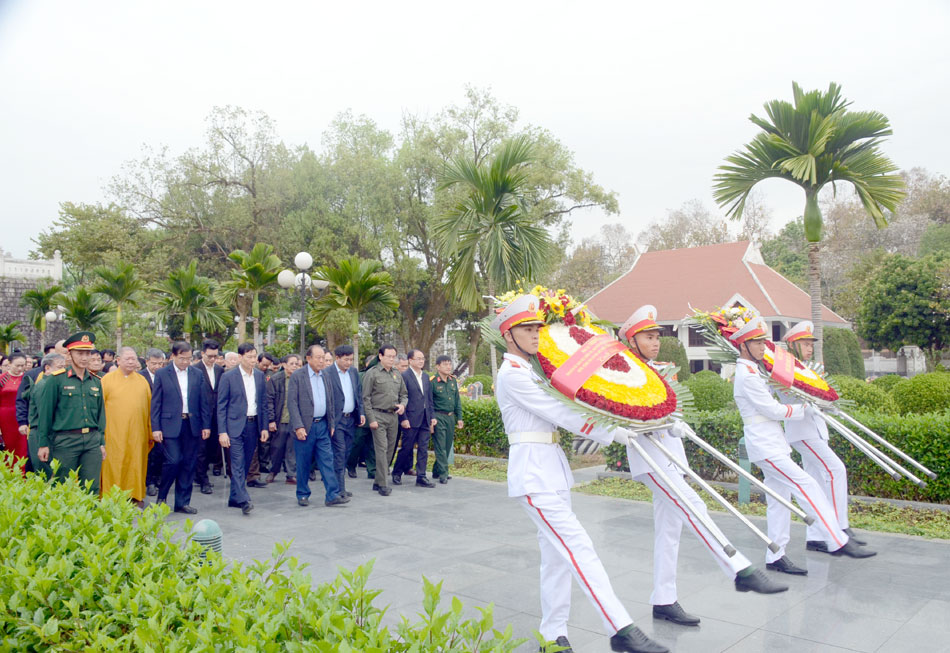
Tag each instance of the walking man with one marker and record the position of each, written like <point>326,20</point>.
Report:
<point>384,400</point>
<point>417,422</point>
<point>447,402</point>
<point>278,422</point>
<point>348,402</point>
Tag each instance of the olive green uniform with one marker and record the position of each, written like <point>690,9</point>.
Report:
<point>71,421</point>
<point>382,391</point>
<point>448,410</point>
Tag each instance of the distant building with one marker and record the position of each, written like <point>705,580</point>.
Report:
<point>16,277</point>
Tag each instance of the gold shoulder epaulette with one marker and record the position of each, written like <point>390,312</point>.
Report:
<point>59,371</point>
<point>432,378</point>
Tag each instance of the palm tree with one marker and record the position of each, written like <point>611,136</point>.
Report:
<point>87,311</point>
<point>40,302</point>
<point>122,285</point>
<point>9,334</point>
<point>813,142</point>
<point>490,230</point>
<point>356,286</point>
<point>189,295</point>
<point>258,272</point>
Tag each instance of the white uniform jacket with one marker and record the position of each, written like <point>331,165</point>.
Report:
<point>535,467</point>
<point>761,413</point>
<point>638,466</point>
<point>809,428</point>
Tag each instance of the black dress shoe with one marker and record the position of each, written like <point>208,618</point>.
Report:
<point>449,476</point>
<point>852,537</point>
<point>854,550</point>
<point>674,612</point>
<point>371,476</point>
<point>397,479</point>
<point>256,483</point>
<point>313,475</point>
<point>188,510</point>
<point>216,471</point>
<point>207,488</point>
<point>423,481</point>
<point>303,501</point>
<point>786,566</point>
<point>375,487</point>
<point>385,491</point>
<point>757,581</point>
<point>351,473</point>
<point>632,640</point>
<point>443,480</point>
<point>337,501</point>
<point>816,545</point>
<point>247,508</point>
<point>291,480</point>
<point>234,504</point>
<point>565,646</point>
<point>151,490</point>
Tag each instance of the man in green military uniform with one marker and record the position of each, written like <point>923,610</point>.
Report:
<point>71,416</point>
<point>448,414</point>
<point>384,397</point>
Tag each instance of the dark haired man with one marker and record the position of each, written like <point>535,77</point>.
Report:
<point>417,422</point>
<point>447,403</point>
<point>210,451</point>
<point>348,402</point>
<point>278,421</point>
<point>384,399</point>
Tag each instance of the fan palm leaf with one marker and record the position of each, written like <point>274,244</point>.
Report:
<point>84,309</point>
<point>190,295</point>
<point>123,287</point>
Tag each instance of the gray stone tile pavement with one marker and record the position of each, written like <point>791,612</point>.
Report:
<point>480,544</point>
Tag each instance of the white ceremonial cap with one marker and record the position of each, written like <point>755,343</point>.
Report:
<point>801,331</point>
<point>643,319</point>
<point>755,329</point>
<point>524,309</point>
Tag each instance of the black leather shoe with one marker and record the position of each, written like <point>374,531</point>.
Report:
<point>674,612</point>
<point>256,483</point>
<point>423,481</point>
<point>816,545</point>
<point>375,487</point>
<point>152,490</point>
<point>757,581</point>
<point>216,471</point>
<point>338,501</point>
<point>385,491</point>
<point>854,550</point>
<point>303,501</point>
<point>853,538</point>
<point>371,476</point>
<point>234,504</point>
<point>397,479</point>
<point>247,508</point>
<point>351,473</point>
<point>786,566</point>
<point>632,640</point>
<point>207,488</point>
<point>188,510</point>
<point>313,475</point>
<point>443,480</point>
<point>449,477</point>
<point>565,646</point>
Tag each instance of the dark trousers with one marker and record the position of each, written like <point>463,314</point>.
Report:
<point>209,452</point>
<point>316,448</point>
<point>342,441</point>
<point>181,457</point>
<point>411,437</point>
<point>242,450</point>
<point>78,451</point>
<point>282,451</point>
<point>362,450</point>
<point>156,461</point>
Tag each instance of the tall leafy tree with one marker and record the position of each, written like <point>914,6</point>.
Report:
<point>122,286</point>
<point>84,309</point>
<point>40,301</point>
<point>256,274</point>
<point>188,295</point>
<point>490,231</point>
<point>356,286</point>
<point>9,333</point>
<point>812,142</point>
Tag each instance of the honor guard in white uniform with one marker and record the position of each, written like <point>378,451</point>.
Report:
<point>642,334</point>
<point>768,449</point>
<point>809,437</point>
<point>540,479</point>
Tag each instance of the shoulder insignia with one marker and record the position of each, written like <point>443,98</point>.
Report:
<point>750,368</point>
<point>432,378</point>
<point>69,373</point>
<point>95,375</point>
<point>59,371</point>
<point>514,364</point>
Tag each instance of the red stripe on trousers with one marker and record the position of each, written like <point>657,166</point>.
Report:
<point>809,501</point>
<point>834,504</point>
<point>573,561</point>
<point>688,518</point>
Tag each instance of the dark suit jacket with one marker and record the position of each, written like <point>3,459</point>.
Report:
<point>300,400</point>
<point>167,407</point>
<point>353,378</point>
<point>144,372</point>
<point>275,396</point>
<point>23,398</point>
<point>232,403</point>
<point>420,408</point>
<point>213,392</point>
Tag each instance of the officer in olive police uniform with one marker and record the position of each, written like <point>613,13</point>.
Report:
<point>448,412</point>
<point>71,415</point>
<point>384,397</point>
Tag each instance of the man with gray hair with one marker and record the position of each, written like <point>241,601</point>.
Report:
<point>154,361</point>
<point>231,360</point>
<point>26,414</point>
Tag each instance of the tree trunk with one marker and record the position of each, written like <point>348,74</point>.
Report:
<point>118,327</point>
<point>356,339</point>
<point>493,353</point>
<point>814,289</point>
<point>241,327</point>
<point>473,341</point>
<point>257,334</point>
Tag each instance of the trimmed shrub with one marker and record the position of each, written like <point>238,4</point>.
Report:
<point>672,351</point>
<point>484,430</point>
<point>81,574</point>
<point>866,396</point>
<point>485,380</point>
<point>710,391</point>
<point>924,393</point>
<point>842,353</point>
<point>888,382</point>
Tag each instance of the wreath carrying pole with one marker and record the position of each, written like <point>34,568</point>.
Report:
<point>887,444</point>
<point>883,460</point>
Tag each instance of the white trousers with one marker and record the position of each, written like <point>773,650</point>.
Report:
<point>823,465</point>
<point>669,517</point>
<point>787,479</point>
<point>566,551</point>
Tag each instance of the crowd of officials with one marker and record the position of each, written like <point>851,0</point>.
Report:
<point>182,418</point>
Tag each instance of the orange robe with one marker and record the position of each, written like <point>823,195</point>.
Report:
<point>128,401</point>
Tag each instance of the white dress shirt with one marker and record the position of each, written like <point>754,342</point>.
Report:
<point>761,413</point>
<point>250,390</point>
<point>418,376</point>
<point>349,402</point>
<point>210,372</point>
<point>183,385</point>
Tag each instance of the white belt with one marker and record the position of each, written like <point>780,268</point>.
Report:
<point>538,437</point>
<point>758,419</point>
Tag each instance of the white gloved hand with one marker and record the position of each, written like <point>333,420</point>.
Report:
<point>622,435</point>
<point>681,429</point>
<point>811,411</point>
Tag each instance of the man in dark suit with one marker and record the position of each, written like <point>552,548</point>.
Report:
<point>181,421</point>
<point>210,451</point>
<point>417,422</point>
<point>310,404</point>
<point>154,361</point>
<point>278,421</point>
<point>348,402</point>
<point>241,415</point>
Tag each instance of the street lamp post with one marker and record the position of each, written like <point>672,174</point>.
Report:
<point>302,283</point>
<point>51,316</point>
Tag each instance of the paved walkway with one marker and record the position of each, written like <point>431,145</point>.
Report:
<point>469,534</point>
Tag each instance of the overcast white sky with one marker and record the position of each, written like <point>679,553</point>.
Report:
<point>649,96</point>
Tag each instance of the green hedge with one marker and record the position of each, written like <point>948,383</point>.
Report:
<point>710,391</point>
<point>888,382</point>
<point>485,380</point>
<point>924,393</point>
<point>672,351</point>
<point>841,352</point>
<point>81,574</point>
<point>865,395</point>
<point>484,432</point>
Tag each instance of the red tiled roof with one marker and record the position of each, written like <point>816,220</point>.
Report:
<point>704,278</point>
